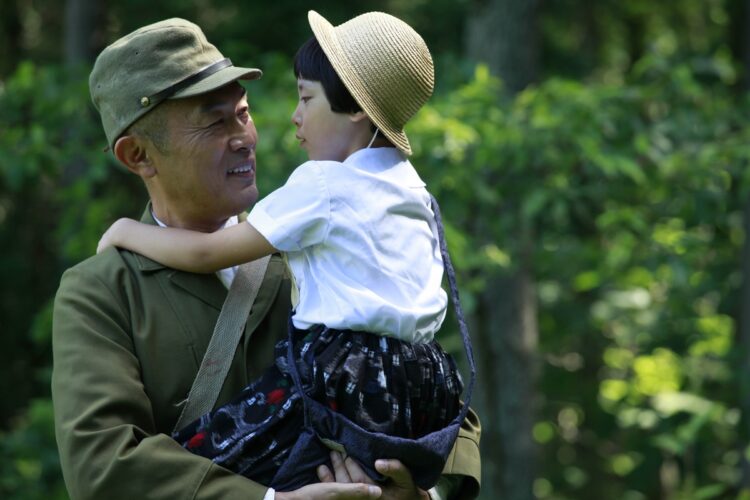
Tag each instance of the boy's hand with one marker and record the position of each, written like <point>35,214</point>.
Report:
<point>114,235</point>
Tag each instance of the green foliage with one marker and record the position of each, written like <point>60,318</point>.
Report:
<point>621,177</point>
<point>632,198</point>
<point>31,470</point>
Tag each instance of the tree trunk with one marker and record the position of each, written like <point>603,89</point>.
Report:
<point>743,316</point>
<point>10,37</point>
<point>504,35</point>
<point>743,361</point>
<point>80,20</point>
<point>506,331</point>
<point>80,24</point>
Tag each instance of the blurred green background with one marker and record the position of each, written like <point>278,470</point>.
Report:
<point>591,160</point>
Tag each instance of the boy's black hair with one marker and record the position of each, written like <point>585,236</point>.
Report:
<point>311,63</point>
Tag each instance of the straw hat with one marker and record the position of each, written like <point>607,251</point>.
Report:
<point>384,64</point>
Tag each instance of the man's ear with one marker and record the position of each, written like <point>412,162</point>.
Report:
<point>131,151</point>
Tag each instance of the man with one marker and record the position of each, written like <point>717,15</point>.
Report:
<point>129,334</point>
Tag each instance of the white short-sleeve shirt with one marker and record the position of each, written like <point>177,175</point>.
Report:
<point>361,242</point>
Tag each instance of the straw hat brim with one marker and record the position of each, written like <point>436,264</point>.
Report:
<point>326,36</point>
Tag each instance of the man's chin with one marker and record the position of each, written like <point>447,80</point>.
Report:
<point>249,197</point>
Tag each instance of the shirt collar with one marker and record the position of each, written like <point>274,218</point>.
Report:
<point>387,161</point>
<point>379,157</point>
<point>232,221</point>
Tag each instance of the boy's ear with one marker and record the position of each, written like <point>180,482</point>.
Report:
<point>131,151</point>
<point>358,116</point>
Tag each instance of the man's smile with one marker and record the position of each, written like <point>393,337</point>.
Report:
<point>244,169</point>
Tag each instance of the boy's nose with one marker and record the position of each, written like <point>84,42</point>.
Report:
<point>296,120</point>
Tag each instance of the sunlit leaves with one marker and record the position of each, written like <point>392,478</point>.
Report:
<point>715,338</point>
<point>632,196</point>
<point>657,373</point>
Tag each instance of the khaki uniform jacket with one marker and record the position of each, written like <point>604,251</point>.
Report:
<point>128,337</point>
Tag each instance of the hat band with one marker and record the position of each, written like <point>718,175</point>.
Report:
<point>190,80</point>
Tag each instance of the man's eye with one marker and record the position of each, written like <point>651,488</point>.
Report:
<point>304,98</point>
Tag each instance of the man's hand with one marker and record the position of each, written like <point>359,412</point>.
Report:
<point>400,485</point>
<point>331,491</point>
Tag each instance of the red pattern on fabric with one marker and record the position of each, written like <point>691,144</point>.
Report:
<point>196,440</point>
<point>275,396</point>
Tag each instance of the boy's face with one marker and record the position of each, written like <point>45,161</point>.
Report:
<point>324,134</point>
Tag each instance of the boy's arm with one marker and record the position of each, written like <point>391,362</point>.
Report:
<point>186,250</point>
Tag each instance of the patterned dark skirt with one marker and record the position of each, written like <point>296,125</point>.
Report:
<point>380,383</point>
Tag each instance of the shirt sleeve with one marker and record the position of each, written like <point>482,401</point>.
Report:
<point>296,215</point>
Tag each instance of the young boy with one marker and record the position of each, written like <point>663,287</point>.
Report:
<point>358,230</point>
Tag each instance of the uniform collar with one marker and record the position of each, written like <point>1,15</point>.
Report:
<point>146,264</point>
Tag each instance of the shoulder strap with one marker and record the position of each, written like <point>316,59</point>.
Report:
<point>453,286</point>
<point>223,344</point>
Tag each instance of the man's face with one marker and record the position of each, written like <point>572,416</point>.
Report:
<point>207,173</point>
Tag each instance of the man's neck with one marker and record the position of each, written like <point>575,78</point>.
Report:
<point>172,221</point>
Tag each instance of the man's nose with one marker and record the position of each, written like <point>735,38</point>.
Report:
<point>245,139</point>
<point>296,120</point>
<point>238,144</point>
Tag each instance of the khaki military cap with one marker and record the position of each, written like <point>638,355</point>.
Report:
<point>170,59</point>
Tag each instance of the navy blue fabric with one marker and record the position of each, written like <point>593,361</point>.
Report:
<point>425,456</point>
<point>382,384</point>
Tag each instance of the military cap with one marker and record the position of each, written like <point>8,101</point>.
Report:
<point>170,59</point>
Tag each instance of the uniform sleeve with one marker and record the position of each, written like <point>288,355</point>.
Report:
<point>104,423</point>
<point>297,214</point>
<point>462,474</point>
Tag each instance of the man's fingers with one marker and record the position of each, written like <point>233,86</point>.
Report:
<point>356,472</point>
<point>325,475</point>
<point>356,491</point>
<point>396,471</point>
<point>339,468</point>
<point>333,491</point>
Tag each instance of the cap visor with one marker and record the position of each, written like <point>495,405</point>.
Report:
<point>218,80</point>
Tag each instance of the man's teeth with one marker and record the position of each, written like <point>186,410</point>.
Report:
<point>241,170</point>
